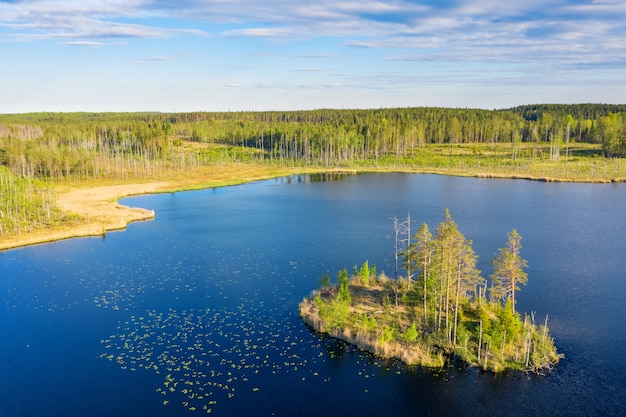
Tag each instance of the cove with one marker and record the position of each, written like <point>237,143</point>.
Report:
<point>196,311</point>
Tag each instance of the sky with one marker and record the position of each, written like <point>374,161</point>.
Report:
<point>254,55</point>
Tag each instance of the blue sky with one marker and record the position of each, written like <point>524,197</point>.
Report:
<point>219,55</point>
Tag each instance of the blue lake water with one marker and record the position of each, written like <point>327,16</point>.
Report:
<point>195,312</point>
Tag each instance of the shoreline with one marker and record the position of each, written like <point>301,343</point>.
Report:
<point>99,211</point>
<point>416,355</point>
<point>364,322</point>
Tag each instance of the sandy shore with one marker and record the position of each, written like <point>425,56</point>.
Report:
<point>99,209</point>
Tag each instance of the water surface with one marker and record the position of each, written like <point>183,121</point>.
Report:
<point>195,312</point>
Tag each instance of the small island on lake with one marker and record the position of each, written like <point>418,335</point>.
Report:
<point>441,308</point>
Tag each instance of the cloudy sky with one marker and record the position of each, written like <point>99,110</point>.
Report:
<point>219,55</point>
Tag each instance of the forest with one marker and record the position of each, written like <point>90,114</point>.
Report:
<point>441,306</point>
<point>39,150</point>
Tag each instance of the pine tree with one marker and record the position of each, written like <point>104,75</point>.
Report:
<point>467,277</point>
<point>421,256</point>
<point>343,294</point>
<point>508,270</point>
<point>448,245</point>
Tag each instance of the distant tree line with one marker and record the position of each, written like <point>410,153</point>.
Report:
<point>57,145</point>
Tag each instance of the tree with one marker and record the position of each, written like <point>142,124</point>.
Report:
<point>467,277</point>
<point>612,134</point>
<point>343,294</point>
<point>448,246</point>
<point>402,232</point>
<point>364,273</point>
<point>508,271</point>
<point>421,256</point>
<point>325,281</point>
<point>410,335</point>
<point>570,124</point>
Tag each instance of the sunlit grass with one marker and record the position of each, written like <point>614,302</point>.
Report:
<point>193,166</point>
<point>581,163</point>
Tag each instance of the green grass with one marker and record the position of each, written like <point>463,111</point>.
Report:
<point>584,162</point>
<point>192,165</point>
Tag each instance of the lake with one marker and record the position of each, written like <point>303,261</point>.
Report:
<point>195,312</point>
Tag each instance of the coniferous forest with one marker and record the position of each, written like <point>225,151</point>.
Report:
<point>39,150</point>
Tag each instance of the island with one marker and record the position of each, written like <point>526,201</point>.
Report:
<point>441,308</point>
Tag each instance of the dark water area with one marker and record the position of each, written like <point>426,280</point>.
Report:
<point>195,312</point>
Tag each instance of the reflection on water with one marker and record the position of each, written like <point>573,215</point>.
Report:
<point>318,177</point>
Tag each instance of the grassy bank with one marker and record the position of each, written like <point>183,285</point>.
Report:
<point>582,163</point>
<point>362,324</point>
<point>45,210</point>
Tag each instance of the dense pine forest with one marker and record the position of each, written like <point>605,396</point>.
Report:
<point>38,149</point>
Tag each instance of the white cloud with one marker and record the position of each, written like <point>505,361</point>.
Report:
<point>320,56</point>
<point>75,19</point>
<point>156,58</point>
<point>83,43</point>
<point>310,69</point>
<point>261,32</point>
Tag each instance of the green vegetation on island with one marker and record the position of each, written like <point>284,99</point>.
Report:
<point>42,154</point>
<point>441,307</point>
